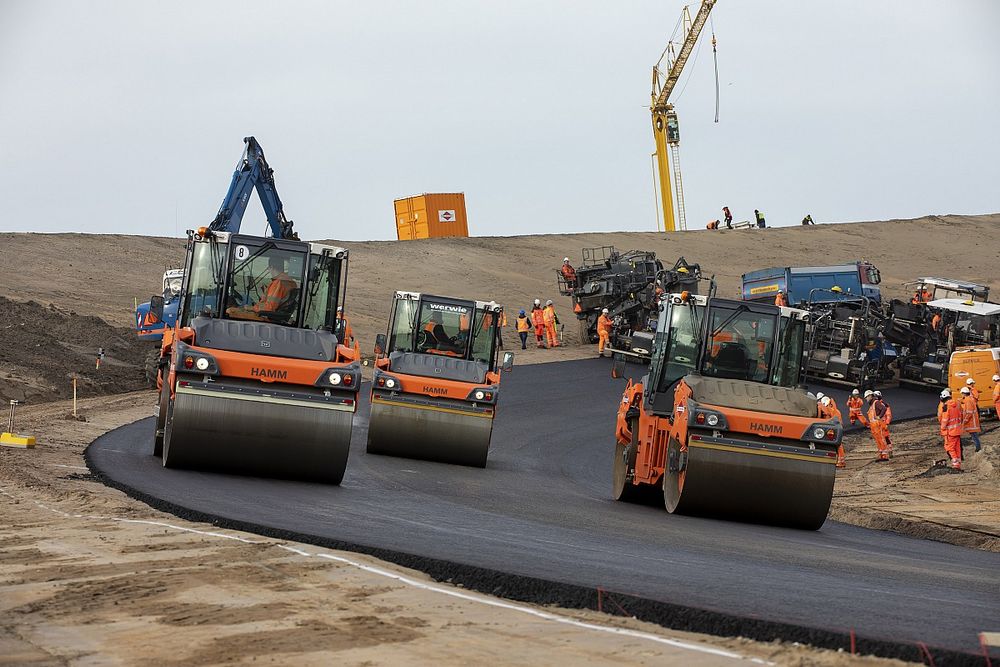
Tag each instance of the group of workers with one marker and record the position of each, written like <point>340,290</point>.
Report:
<point>727,220</point>
<point>544,322</point>
<point>959,415</point>
<point>871,410</point>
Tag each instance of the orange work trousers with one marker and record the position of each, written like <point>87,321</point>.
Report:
<point>858,416</point>
<point>550,329</point>
<point>540,335</point>
<point>602,341</point>
<point>880,432</point>
<point>953,445</point>
<point>841,457</point>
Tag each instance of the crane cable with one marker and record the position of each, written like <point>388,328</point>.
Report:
<point>715,57</point>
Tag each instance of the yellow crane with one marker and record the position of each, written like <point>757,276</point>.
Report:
<point>666,132</point>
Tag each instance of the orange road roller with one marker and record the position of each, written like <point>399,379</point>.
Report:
<point>436,381</point>
<point>720,424</point>
<point>257,381</point>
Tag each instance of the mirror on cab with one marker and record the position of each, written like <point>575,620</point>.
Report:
<point>508,362</point>
<point>379,345</point>
<point>156,307</point>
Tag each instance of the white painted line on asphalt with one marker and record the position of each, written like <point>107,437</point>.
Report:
<point>491,602</point>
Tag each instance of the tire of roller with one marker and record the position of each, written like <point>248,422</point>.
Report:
<point>257,438</point>
<point>430,435</point>
<point>161,419</point>
<point>750,487</point>
<point>623,490</point>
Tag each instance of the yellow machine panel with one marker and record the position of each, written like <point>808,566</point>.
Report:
<point>430,216</point>
<point>978,363</point>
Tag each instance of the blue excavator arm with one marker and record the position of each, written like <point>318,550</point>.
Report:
<point>252,172</point>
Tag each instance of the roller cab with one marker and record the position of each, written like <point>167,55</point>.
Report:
<point>720,424</point>
<point>436,383</point>
<point>258,382</point>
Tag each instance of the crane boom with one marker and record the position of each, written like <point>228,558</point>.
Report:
<point>665,127</point>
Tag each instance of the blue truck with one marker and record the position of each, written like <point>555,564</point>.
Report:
<point>804,284</point>
<point>846,344</point>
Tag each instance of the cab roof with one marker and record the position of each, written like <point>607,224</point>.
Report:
<point>480,305</point>
<point>984,309</point>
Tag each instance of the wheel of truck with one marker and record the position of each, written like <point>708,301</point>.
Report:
<point>151,366</point>
<point>161,417</point>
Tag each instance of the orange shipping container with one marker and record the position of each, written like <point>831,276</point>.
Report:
<point>430,216</point>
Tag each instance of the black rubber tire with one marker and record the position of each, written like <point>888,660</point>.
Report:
<point>167,424</point>
<point>672,481</point>
<point>151,366</point>
<point>161,419</point>
<point>621,489</point>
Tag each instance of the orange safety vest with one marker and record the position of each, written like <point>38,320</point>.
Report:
<point>780,299</point>
<point>996,393</point>
<point>523,324</point>
<point>549,313</point>
<point>953,419</point>
<point>569,273</point>
<point>831,412</point>
<point>604,324</point>
<point>538,318</point>
<point>854,404</point>
<point>942,406</point>
<point>277,291</point>
<point>970,414</point>
<point>936,322</point>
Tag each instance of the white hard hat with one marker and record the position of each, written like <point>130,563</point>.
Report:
<point>996,378</point>
<point>604,310</point>
<point>538,302</point>
<point>548,302</point>
<point>819,395</point>
<point>868,393</point>
<point>970,381</point>
<point>826,400</point>
<point>855,393</point>
<point>565,259</point>
<point>340,309</point>
<point>877,393</point>
<point>966,390</point>
<point>945,393</point>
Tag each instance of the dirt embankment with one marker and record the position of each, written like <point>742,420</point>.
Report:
<point>915,493</point>
<point>43,347</point>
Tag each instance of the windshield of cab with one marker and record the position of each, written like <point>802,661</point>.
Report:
<point>265,283</point>
<point>444,328</point>
<point>322,299</point>
<point>680,342</point>
<point>739,343</point>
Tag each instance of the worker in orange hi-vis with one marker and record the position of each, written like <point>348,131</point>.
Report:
<point>970,416</point>
<point>971,384</point>
<point>952,428</point>
<point>538,321</point>
<point>855,409</point>
<point>996,394</point>
<point>551,321</point>
<point>568,273</point>
<point>780,299</point>
<point>829,410</point>
<point>876,425</point>
<point>603,331</point>
<point>886,411</point>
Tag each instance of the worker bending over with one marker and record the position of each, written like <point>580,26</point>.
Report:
<point>855,408</point>
<point>970,416</point>
<point>950,417</point>
<point>538,321</point>
<point>603,331</point>
<point>551,321</point>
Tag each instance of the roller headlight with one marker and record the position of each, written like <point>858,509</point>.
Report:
<point>479,395</point>
<point>334,378</point>
<point>712,420</point>
<point>819,433</point>
<point>201,363</point>
<point>390,383</point>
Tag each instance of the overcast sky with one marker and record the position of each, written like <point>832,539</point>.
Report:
<point>128,117</point>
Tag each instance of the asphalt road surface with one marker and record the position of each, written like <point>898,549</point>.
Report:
<point>543,508</point>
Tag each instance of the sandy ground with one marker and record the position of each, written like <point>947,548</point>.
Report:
<point>916,494</point>
<point>89,576</point>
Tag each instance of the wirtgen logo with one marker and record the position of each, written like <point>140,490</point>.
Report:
<point>448,309</point>
<point>765,428</point>
<point>269,373</point>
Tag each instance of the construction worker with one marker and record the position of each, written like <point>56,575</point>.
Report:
<point>568,273</point>
<point>971,384</point>
<point>951,428</point>
<point>780,299</point>
<point>728,217</point>
<point>714,224</point>
<point>808,220</point>
<point>538,321</point>
<point>970,416</point>
<point>603,331</point>
<point>996,394</point>
<point>936,323</point>
<point>877,425</point>
<point>551,321</point>
<point>344,326</point>
<point>523,327</point>
<point>275,294</point>
<point>759,217</point>
<point>855,406</point>
<point>921,295</point>
<point>828,410</point>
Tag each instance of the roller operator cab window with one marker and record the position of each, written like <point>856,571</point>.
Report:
<point>739,344</point>
<point>789,367</point>
<point>204,280</point>
<point>402,327</point>
<point>444,328</point>
<point>322,299</point>
<point>680,344</point>
<point>484,335</point>
<point>265,284</point>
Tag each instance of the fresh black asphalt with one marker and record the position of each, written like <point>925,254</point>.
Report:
<point>542,511</point>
